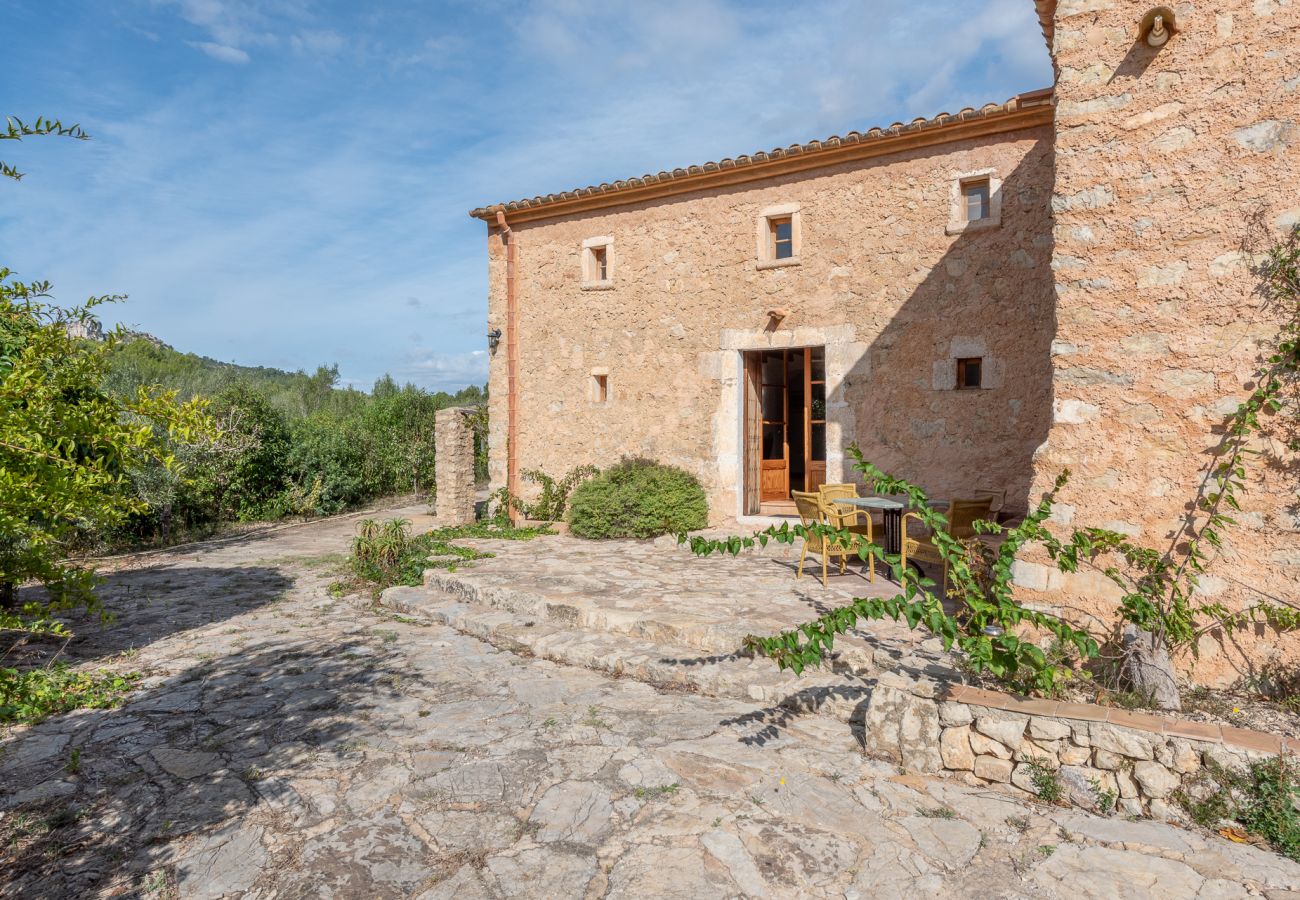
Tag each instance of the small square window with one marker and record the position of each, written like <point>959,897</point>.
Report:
<point>970,373</point>
<point>977,197</point>
<point>600,388</point>
<point>600,263</point>
<point>782,229</point>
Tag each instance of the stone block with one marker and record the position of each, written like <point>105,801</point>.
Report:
<point>990,768</point>
<point>1128,788</point>
<point>1073,755</point>
<point>1115,740</point>
<point>903,729</point>
<point>1104,759</point>
<point>1045,729</point>
<point>955,714</point>
<point>1005,728</point>
<point>983,745</point>
<point>1155,780</point>
<point>955,748</point>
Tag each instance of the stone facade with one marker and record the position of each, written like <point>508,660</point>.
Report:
<point>880,284</point>
<point>1112,303</point>
<point>1166,162</point>
<point>453,445</point>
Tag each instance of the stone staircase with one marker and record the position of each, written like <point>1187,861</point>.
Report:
<point>703,659</point>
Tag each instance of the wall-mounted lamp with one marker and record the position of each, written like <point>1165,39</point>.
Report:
<point>1157,26</point>
<point>776,315</point>
<point>494,338</point>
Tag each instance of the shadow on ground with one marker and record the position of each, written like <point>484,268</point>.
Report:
<point>148,605</point>
<point>95,802</point>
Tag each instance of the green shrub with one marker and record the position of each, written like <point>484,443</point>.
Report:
<point>638,498</point>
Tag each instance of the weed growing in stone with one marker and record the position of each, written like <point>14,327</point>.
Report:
<point>937,812</point>
<point>661,791</point>
<point>1046,784</point>
<point>1106,799</point>
<point>1263,798</point>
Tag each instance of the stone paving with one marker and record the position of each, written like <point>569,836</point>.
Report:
<point>285,743</point>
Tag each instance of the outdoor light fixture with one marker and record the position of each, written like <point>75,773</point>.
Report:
<point>1157,26</point>
<point>993,631</point>
<point>494,338</point>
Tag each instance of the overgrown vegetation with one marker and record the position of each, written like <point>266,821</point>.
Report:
<point>638,498</point>
<point>294,444</point>
<point>552,502</point>
<point>385,554</point>
<point>1262,798</point>
<point>28,696</point>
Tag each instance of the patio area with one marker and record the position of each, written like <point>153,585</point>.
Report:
<point>655,611</point>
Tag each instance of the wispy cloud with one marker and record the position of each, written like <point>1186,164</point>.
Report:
<point>221,52</point>
<point>285,212</point>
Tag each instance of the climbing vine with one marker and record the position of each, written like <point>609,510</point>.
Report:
<point>979,580</point>
<point>1159,588</point>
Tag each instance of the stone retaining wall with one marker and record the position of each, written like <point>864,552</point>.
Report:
<point>1103,758</point>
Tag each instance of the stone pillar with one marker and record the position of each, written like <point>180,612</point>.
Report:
<point>454,466</point>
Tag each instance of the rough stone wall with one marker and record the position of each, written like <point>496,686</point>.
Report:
<point>453,445</point>
<point>1162,159</point>
<point>1133,769</point>
<point>892,296</point>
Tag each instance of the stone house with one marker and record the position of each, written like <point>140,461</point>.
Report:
<point>978,300</point>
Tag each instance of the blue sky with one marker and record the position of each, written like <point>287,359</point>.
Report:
<point>285,182</point>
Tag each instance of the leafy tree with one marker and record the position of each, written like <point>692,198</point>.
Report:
<point>66,443</point>
<point>66,447</point>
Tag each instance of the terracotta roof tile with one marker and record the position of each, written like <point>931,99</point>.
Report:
<point>988,111</point>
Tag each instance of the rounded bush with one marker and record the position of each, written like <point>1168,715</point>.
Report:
<point>638,498</point>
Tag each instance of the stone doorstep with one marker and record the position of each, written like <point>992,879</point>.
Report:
<point>663,665</point>
<point>1240,738</point>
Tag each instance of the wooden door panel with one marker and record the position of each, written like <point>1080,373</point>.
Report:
<point>775,484</point>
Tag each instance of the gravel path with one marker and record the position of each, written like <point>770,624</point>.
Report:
<point>285,743</point>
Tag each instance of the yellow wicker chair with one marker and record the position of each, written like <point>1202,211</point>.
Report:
<point>812,511</point>
<point>849,518</point>
<point>962,515</point>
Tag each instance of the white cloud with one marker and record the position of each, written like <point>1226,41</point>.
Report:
<point>221,52</point>
<point>344,196</point>
<point>445,371</point>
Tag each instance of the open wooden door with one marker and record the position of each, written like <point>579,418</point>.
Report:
<point>753,433</point>
<point>785,425</point>
<point>774,466</point>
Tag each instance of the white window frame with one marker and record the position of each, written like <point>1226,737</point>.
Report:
<point>957,221</point>
<point>591,280</point>
<point>766,246</point>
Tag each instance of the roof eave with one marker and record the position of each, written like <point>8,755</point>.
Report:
<point>1023,111</point>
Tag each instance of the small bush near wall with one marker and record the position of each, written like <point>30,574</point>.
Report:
<point>638,498</point>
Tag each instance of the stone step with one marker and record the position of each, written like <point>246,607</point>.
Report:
<point>702,634</point>
<point>841,695</point>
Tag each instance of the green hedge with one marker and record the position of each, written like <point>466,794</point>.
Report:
<point>638,498</point>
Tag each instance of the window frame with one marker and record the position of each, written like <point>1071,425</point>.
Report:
<point>963,369</point>
<point>600,392</point>
<point>768,221</point>
<point>598,274</point>
<point>957,207</point>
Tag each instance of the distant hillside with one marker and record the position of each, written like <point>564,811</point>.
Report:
<point>145,360</point>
